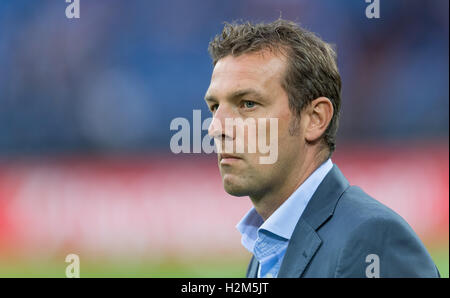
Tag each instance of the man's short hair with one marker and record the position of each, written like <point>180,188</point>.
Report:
<point>311,63</point>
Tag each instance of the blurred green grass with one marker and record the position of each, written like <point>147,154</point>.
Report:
<point>209,266</point>
<point>440,257</point>
<point>167,267</point>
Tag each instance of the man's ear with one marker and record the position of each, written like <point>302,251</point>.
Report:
<point>320,113</point>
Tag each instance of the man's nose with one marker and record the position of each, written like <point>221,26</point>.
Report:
<point>217,128</point>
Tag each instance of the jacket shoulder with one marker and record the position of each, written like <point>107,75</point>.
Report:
<point>358,207</point>
<point>370,228</point>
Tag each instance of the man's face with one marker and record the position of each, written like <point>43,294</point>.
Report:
<point>249,86</point>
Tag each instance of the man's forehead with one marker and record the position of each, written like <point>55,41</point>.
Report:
<point>263,63</point>
<point>256,70</point>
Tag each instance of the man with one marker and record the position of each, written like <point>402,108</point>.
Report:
<point>307,220</point>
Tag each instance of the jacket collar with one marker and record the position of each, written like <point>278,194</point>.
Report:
<point>305,241</point>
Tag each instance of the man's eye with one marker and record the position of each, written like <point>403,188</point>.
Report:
<point>249,104</point>
<point>214,107</point>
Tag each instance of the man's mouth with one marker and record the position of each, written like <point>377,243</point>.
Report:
<point>228,158</point>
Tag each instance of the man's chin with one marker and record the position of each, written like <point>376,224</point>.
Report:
<point>234,187</point>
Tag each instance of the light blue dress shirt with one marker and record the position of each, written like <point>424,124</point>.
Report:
<point>268,240</point>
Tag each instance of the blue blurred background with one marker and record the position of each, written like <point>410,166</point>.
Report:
<point>115,78</point>
<point>110,83</point>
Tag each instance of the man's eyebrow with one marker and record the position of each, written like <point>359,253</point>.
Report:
<point>210,98</point>
<point>236,94</point>
<point>244,92</point>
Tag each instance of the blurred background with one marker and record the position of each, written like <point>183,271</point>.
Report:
<point>85,109</point>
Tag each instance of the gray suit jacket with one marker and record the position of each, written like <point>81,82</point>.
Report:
<point>340,227</point>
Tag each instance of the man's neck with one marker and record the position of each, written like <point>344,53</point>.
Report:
<point>271,200</point>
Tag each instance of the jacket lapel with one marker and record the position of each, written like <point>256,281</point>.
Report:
<point>305,241</point>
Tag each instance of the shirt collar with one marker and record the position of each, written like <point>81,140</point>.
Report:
<point>283,221</point>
